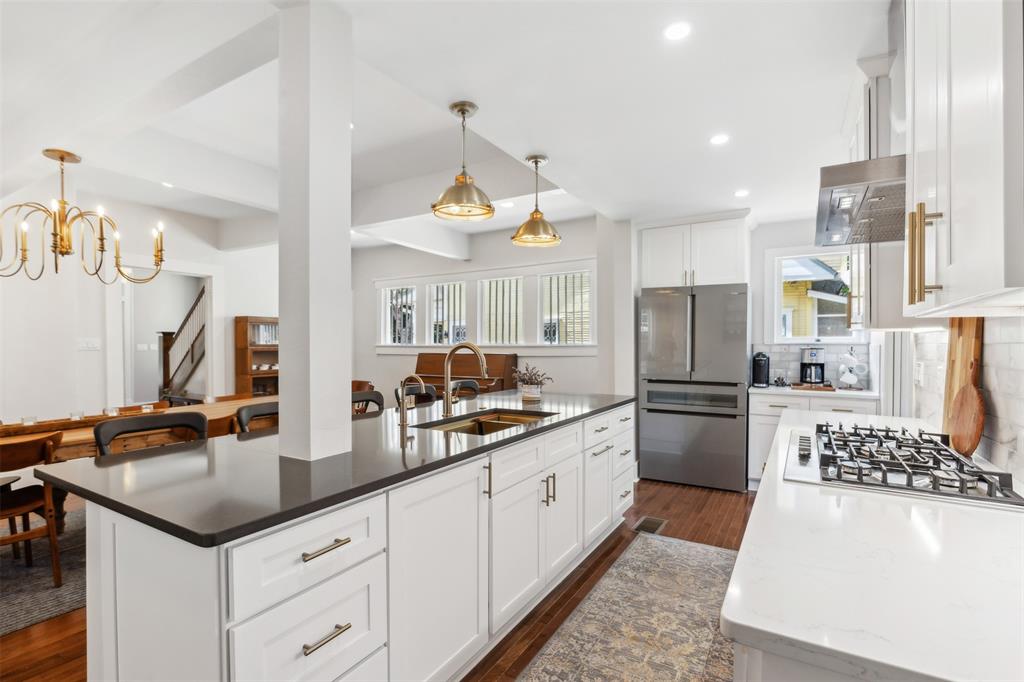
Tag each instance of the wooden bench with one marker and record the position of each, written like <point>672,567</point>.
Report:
<point>465,365</point>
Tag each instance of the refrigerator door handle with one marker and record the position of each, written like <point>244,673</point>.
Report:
<point>690,300</point>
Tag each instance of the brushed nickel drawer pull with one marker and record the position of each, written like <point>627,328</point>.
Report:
<point>781,407</point>
<point>602,451</point>
<point>625,452</point>
<point>624,419</point>
<point>554,487</point>
<point>547,491</point>
<point>338,542</point>
<point>624,495</point>
<point>490,480</point>
<point>307,649</point>
<point>601,430</point>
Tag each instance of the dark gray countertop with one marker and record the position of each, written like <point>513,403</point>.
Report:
<point>214,491</point>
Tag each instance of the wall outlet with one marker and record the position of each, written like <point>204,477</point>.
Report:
<point>88,343</point>
<point>919,374</point>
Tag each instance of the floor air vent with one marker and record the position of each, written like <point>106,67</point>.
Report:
<point>649,524</point>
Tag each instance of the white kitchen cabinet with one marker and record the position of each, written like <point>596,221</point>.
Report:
<point>563,516</point>
<point>965,159</point>
<point>518,566</point>
<point>438,573</point>
<point>718,252</point>
<point>707,252</point>
<point>759,444</point>
<point>597,503</point>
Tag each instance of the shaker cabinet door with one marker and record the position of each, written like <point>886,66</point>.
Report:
<point>517,549</point>
<point>563,516</point>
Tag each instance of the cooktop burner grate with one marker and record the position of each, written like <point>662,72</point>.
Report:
<point>901,460</point>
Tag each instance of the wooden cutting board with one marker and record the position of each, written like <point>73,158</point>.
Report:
<point>963,362</point>
<point>968,420</point>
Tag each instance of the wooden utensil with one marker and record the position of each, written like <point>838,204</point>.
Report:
<point>968,420</point>
<point>963,361</point>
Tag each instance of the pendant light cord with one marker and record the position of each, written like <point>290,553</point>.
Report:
<point>463,142</point>
<point>536,184</point>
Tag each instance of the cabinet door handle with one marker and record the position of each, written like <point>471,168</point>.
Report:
<point>924,218</point>
<point>601,430</point>
<point>624,495</point>
<point>601,451</point>
<point>693,276</point>
<point>338,542</point>
<point>490,480</point>
<point>547,491</point>
<point>841,409</point>
<point>307,649</point>
<point>554,487</point>
<point>911,257</point>
<point>781,407</point>
<point>624,419</point>
<point>625,452</point>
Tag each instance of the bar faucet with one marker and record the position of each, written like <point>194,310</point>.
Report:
<point>448,393</point>
<point>403,411</point>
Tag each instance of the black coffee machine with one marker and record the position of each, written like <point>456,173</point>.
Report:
<point>812,365</point>
<point>760,371</point>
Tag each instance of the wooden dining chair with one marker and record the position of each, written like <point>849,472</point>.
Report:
<point>466,388</point>
<point>367,398</point>
<point>106,432</point>
<point>38,499</point>
<point>360,386</point>
<point>246,414</point>
<point>221,426</point>
<point>422,397</point>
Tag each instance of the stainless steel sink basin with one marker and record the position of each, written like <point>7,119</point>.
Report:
<point>487,422</point>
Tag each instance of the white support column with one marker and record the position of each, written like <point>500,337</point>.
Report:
<point>314,221</point>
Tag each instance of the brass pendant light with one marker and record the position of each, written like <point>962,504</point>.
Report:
<point>463,200</point>
<point>536,231</point>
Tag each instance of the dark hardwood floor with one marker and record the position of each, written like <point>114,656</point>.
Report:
<point>713,517</point>
<point>55,649</point>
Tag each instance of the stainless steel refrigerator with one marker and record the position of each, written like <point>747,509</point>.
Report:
<point>692,346</point>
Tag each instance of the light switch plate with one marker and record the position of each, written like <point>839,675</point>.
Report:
<point>88,343</point>
<point>919,374</point>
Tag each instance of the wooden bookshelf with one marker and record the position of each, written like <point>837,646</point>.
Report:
<point>255,347</point>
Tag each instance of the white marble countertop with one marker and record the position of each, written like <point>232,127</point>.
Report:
<point>876,585</point>
<point>866,394</point>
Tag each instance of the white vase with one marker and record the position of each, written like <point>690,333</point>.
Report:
<point>530,391</point>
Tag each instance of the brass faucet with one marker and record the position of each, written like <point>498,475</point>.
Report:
<point>448,392</point>
<point>403,411</point>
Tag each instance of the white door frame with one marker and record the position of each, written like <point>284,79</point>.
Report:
<point>117,355</point>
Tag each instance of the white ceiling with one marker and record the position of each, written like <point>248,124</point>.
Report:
<point>626,115</point>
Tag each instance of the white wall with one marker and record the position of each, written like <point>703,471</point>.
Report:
<point>595,373</point>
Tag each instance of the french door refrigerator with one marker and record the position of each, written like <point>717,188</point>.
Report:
<point>692,347</point>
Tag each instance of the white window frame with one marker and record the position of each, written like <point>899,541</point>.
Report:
<point>532,345</point>
<point>429,329</point>
<point>593,307</point>
<point>773,298</point>
<point>383,331</point>
<point>521,302</point>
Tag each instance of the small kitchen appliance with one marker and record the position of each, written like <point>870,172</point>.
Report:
<point>812,365</point>
<point>761,370</point>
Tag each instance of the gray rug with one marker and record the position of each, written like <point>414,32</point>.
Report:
<point>652,616</point>
<point>27,594</point>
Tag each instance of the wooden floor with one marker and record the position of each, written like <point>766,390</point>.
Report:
<point>55,649</point>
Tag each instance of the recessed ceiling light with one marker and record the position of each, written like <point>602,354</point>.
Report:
<point>720,138</point>
<point>740,193</point>
<point>677,31</point>
<point>507,204</point>
<point>166,184</point>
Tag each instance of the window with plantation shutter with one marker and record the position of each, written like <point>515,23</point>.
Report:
<point>565,308</point>
<point>447,309</point>
<point>399,316</point>
<point>501,311</point>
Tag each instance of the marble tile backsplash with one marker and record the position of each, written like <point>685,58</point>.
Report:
<point>1002,385</point>
<point>785,360</point>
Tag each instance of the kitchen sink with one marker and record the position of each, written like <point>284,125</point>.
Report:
<point>487,422</point>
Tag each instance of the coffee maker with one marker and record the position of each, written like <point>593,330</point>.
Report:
<point>760,371</point>
<point>812,365</point>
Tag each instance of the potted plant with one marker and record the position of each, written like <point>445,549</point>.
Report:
<point>530,380</point>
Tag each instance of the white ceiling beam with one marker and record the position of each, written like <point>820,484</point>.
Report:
<point>96,118</point>
<point>423,234</point>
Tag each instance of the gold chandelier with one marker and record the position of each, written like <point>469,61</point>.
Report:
<point>463,200</point>
<point>60,219</point>
<point>536,231</point>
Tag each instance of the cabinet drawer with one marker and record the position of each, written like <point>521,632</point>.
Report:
<point>624,452</point>
<point>844,405</point>
<point>319,634</point>
<point>597,430</point>
<point>623,418</point>
<point>562,444</point>
<point>373,669</point>
<point>516,463</point>
<point>622,494</point>
<point>272,568</point>
<point>775,405</point>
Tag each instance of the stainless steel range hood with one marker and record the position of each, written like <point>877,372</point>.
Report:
<point>862,202</point>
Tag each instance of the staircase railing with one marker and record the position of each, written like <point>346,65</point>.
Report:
<point>181,351</point>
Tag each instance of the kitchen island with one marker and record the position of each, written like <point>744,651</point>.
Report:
<point>406,558</point>
<point>841,583</point>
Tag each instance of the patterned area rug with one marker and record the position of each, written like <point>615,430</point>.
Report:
<point>27,594</point>
<point>652,616</point>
